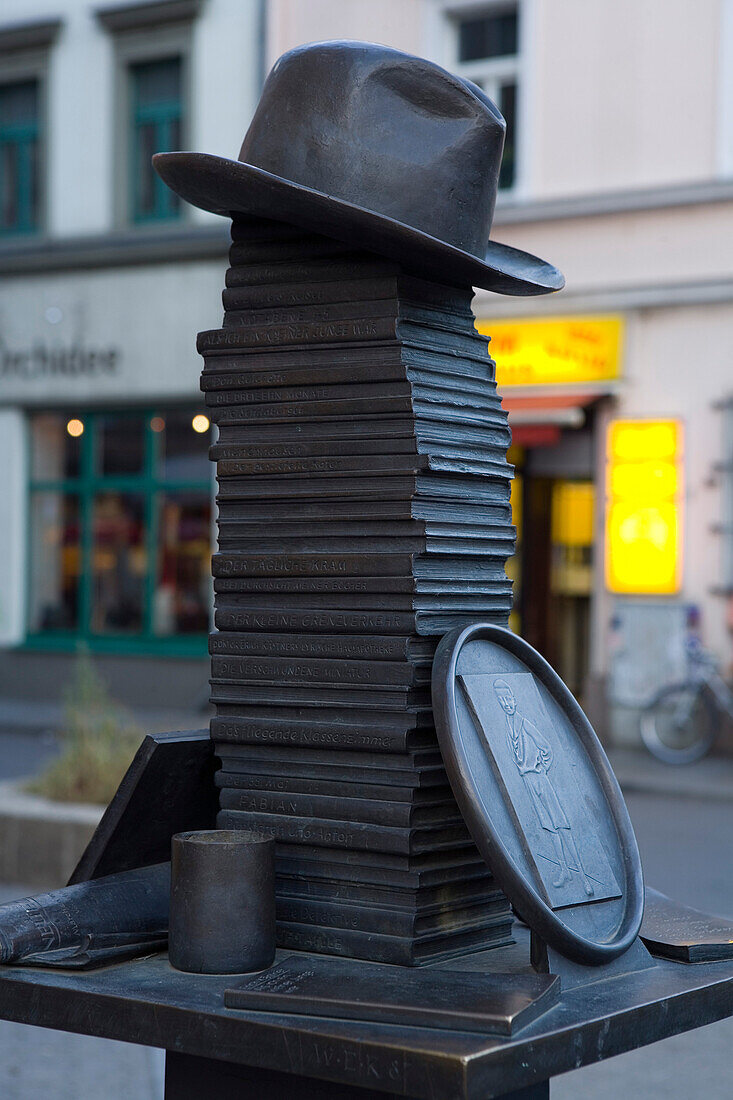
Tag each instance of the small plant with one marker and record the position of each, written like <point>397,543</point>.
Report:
<point>98,743</point>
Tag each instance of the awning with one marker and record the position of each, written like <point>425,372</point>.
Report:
<point>536,420</point>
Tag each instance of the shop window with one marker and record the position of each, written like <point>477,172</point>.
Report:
<point>119,563</point>
<point>572,512</point>
<point>55,561</point>
<point>120,443</point>
<point>120,533</point>
<point>493,34</point>
<point>19,157</point>
<point>156,108</point>
<point>487,52</point>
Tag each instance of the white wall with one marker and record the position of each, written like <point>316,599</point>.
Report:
<point>84,119</point>
<point>680,366</point>
<point>672,246</point>
<point>396,23</point>
<point>626,94</point>
<point>80,180</point>
<point>725,90</point>
<point>149,315</point>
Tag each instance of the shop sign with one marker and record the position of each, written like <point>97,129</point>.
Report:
<point>557,351</point>
<point>644,507</point>
<point>43,361</point>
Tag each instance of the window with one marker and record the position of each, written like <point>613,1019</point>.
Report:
<point>19,157</point>
<point>152,45</point>
<point>487,52</point>
<point>156,118</point>
<point>25,54</point>
<point>487,36</point>
<point>120,530</point>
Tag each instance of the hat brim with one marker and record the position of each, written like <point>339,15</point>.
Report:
<point>230,187</point>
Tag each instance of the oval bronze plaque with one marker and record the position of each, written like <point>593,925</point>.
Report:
<point>537,793</point>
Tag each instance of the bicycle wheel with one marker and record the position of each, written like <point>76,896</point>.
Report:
<point>678,725</point>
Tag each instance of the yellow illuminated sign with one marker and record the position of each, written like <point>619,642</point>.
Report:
<point>555,350</point>
<point>644,506</point>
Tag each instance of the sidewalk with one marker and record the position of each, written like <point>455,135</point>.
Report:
<point>636,770</point>
<point>29,731</point>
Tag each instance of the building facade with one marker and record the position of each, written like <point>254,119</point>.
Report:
<point>618,167</point>
<point>107,494</point>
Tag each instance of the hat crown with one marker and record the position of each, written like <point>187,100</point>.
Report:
<point>385,131</point>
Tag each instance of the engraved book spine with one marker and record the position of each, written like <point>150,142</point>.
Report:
<point>314,734</point>
<point>377,647</point>
<point>239,295</point>
<point>305,670</point>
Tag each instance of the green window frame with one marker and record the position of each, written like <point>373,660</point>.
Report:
<point>156,126</point>
<point>86,486</point>
<point>20,135</point>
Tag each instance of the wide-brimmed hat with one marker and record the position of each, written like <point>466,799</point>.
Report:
<point>377,148</point>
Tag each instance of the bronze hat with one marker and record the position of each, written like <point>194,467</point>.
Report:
<point>377,148</point>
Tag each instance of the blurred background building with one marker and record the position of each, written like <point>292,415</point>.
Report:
<point>618,167</point>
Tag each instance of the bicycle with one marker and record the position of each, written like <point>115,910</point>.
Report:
<point>680,723</point>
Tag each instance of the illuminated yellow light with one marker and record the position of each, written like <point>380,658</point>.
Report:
<point>157,424</point>
<point>644,509</point>
<point>75,428</point>
<point>573,504</point>
<point>200,423</point>
<point>643,480</point>
<point>642,555</point>
<point>555,350</point>
<point>639,440</point>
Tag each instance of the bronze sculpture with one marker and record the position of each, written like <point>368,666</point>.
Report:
<point>357,412</point>
<point>364,514</point>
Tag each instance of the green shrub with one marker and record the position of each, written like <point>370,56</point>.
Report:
<point>99,741</point>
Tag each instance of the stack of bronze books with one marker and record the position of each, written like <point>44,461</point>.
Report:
<point>363,511</point>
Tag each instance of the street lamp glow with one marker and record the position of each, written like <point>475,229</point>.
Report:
<point>75,428</point>
<point>200,423</point>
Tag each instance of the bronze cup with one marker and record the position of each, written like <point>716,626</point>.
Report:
<point>222,912</point>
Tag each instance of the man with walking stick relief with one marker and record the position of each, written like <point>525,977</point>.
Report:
<point>543,797</point>
<point>534,757</point>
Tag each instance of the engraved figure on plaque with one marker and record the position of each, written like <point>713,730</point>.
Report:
<point>541,782</point>
<point>534,756</point>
